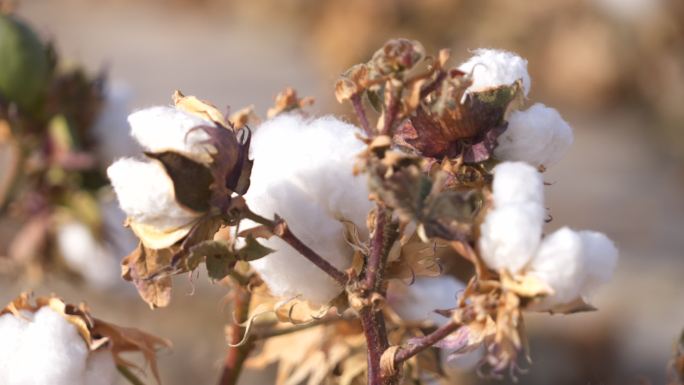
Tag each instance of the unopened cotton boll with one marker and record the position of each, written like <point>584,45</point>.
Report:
<point>493,68</point>
<point>600,258</point>
<point>559,263</point>
<point>510,234</point>
<point>417,302</point>
<point>538,136</point>
<point>303,172</point>
<point>163,128</point>
<point>44,348</point>
<point>146,194</point>
<point>517,182</point>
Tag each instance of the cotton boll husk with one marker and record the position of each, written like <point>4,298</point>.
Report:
<point>111,130</point>
<point>517,182</point>
<point>145,194</point>
<point>492,68</point>
<point>418,301</point>
<point>510,234</point>
<point>83,253</point>
<point>560,264</point>
<point>164,128</point>
<point>538,136</point>
<point>47,349</point>
<point>600,257</point>
<point>303,172</point>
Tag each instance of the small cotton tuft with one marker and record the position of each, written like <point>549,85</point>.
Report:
<point>538,136</point>
<point>146,195</point>
<point>559,263</point>
<point>517,182</point>
<point>510,235</point>
<point>418,301</point>
<point>493,68</point>
<point>303,172</point>
<point>44,348</point>
<point>163,128</point>
<point>600,257</point>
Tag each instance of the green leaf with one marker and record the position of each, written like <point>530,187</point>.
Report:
<point>253,250</point>
<point>219,259</point>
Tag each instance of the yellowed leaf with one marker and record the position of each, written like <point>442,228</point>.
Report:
<point>201,108</point>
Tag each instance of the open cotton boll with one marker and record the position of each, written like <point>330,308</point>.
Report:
<point>538,136</point>
<point>146,195</point>
<point>510,234</point>
<point>83,253</point>
<point>303,172</point>
<point>560,264</point>
<point>418,301</point>
<point>164,128</point>
<point>47,349</point>
<point>517,182</point>
<point>493,68</point>
<point>600,258</point>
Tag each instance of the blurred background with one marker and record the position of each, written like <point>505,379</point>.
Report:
<point>614,68</point>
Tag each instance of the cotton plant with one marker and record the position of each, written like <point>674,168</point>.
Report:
<point>47,341</point>
<point>336,239</point>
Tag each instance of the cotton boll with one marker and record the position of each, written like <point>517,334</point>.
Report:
<point>510,234</point>
<point>560,264</point>
<point>100,369</point>
<point>111,129</point>
<point>538,136</point>
<point>600,258</point>
<point>83,253</point>
<point>454,367</point>
<point>164,128</point>
<point>303,172</point>
<point>517,182</point>
<point>493,68</point>
<point>146,195</point>
<point>418,301</point>
<point>47,349</point>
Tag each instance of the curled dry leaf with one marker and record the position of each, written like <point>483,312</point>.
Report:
<point>287,100</point>
<point>97,334</point>
<point>201,108</point>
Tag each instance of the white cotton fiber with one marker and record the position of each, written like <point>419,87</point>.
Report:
<point>418,301</point>
<point>164,128</point>
<point>538,136</point>
<point>91,258</point>
<point>600,258</point>
<point>510,234</point>
<point>303,172</point>
<point>493,68</point>
<point>560,264</point>
<point>517,182</point>
<point>47,349</point>
<point>145,194</point>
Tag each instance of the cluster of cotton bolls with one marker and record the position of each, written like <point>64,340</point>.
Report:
<point>571,263</point>
<point>537,135</point>
<point>44,348</point>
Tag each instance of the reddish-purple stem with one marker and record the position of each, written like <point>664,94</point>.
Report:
<point>361,114</point>
<point>404,354</point>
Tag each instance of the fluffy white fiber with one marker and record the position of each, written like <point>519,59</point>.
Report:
<point>538,136</point>
<point>418,301</point>
<point>573,264</point>
<point>44,348</point>
<point>145,194</point>
<point>163,128</point>
<point>303,172</point>
<point>492,68</point>
<point>517,182</point>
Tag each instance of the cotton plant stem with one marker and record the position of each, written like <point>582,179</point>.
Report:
<point>376,340</point>
<point>377,249</point>
<point>282,230</point>
<point>405,353</point>
<point>236,356</point>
